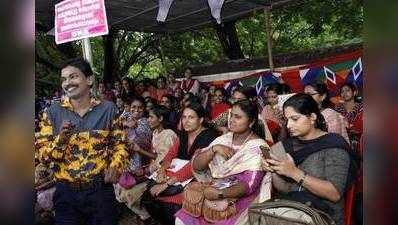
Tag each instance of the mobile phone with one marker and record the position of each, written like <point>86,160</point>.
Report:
<point>278,151</point>
<point>266,151</point>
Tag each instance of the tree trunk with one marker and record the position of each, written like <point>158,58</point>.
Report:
<point>229,40</point>
<point>109,57</point>
<point>234,44</point>
<point>268,27</point>
<point>223,40</point>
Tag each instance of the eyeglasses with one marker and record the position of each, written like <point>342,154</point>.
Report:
<point>312,94</point>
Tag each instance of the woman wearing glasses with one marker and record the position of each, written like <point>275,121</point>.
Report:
<point>335,122</point>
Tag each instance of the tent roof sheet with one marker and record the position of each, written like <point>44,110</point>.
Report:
<point>184,15</point>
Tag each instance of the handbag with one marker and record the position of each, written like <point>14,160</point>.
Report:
<point>307,198</point>
<point>196,205</point>
<point>216,210</point>
<point>193,199</point>
<point>286,212</point>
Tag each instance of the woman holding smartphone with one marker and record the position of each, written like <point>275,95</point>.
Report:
<point>317,166</point>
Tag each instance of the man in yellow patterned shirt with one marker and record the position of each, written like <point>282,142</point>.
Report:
<point>81,142</point>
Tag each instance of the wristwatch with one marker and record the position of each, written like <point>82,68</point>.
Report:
<point>220,195</point>
<point>301,181</point>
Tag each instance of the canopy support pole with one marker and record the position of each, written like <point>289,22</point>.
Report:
<point>88,55</point>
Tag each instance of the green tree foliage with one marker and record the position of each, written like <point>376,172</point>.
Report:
<point>309,25</point>
<point>190,48</point>
<point>48,59</point>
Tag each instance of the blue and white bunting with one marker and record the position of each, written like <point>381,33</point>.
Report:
<point>259,85</point>
<point>357,69</point>
<point>330,75</point>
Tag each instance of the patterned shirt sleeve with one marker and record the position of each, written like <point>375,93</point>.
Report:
<point>118,145</point>
<point>47,147</point>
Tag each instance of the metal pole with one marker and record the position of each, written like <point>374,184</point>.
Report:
<point>87,51</point>
<point>268,24</point>
<point>88,55</point>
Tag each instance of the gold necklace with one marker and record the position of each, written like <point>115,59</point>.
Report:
<point>246,139</point>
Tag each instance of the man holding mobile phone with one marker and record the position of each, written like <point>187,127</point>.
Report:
<point>81,140</point>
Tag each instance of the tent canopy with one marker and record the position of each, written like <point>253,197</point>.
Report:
<point>280,60</point>
<point>140,15</point>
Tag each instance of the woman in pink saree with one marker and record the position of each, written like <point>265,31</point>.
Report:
<point>230,169</point>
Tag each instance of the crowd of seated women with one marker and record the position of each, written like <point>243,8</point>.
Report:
<point>216,149</point>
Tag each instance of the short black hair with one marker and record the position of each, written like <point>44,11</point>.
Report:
<point>193,98</point>
<point>222,90</point>
<point>249,107</point>
<point>305,104</point>
<point>276,87</point>
<point>79,63</point>
<point>249,92</point>
<point>351,86</point>
<point>322,89</point>
<point>285,88</point>
<point>162,111</point>
<point>201,112</point>
<point>138,99</point>
<point>172,99</point>
<point>198,108</point>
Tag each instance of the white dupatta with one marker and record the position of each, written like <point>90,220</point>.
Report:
<point>248,157</point>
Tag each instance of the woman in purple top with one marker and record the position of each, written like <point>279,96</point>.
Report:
<point>138,131</point>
